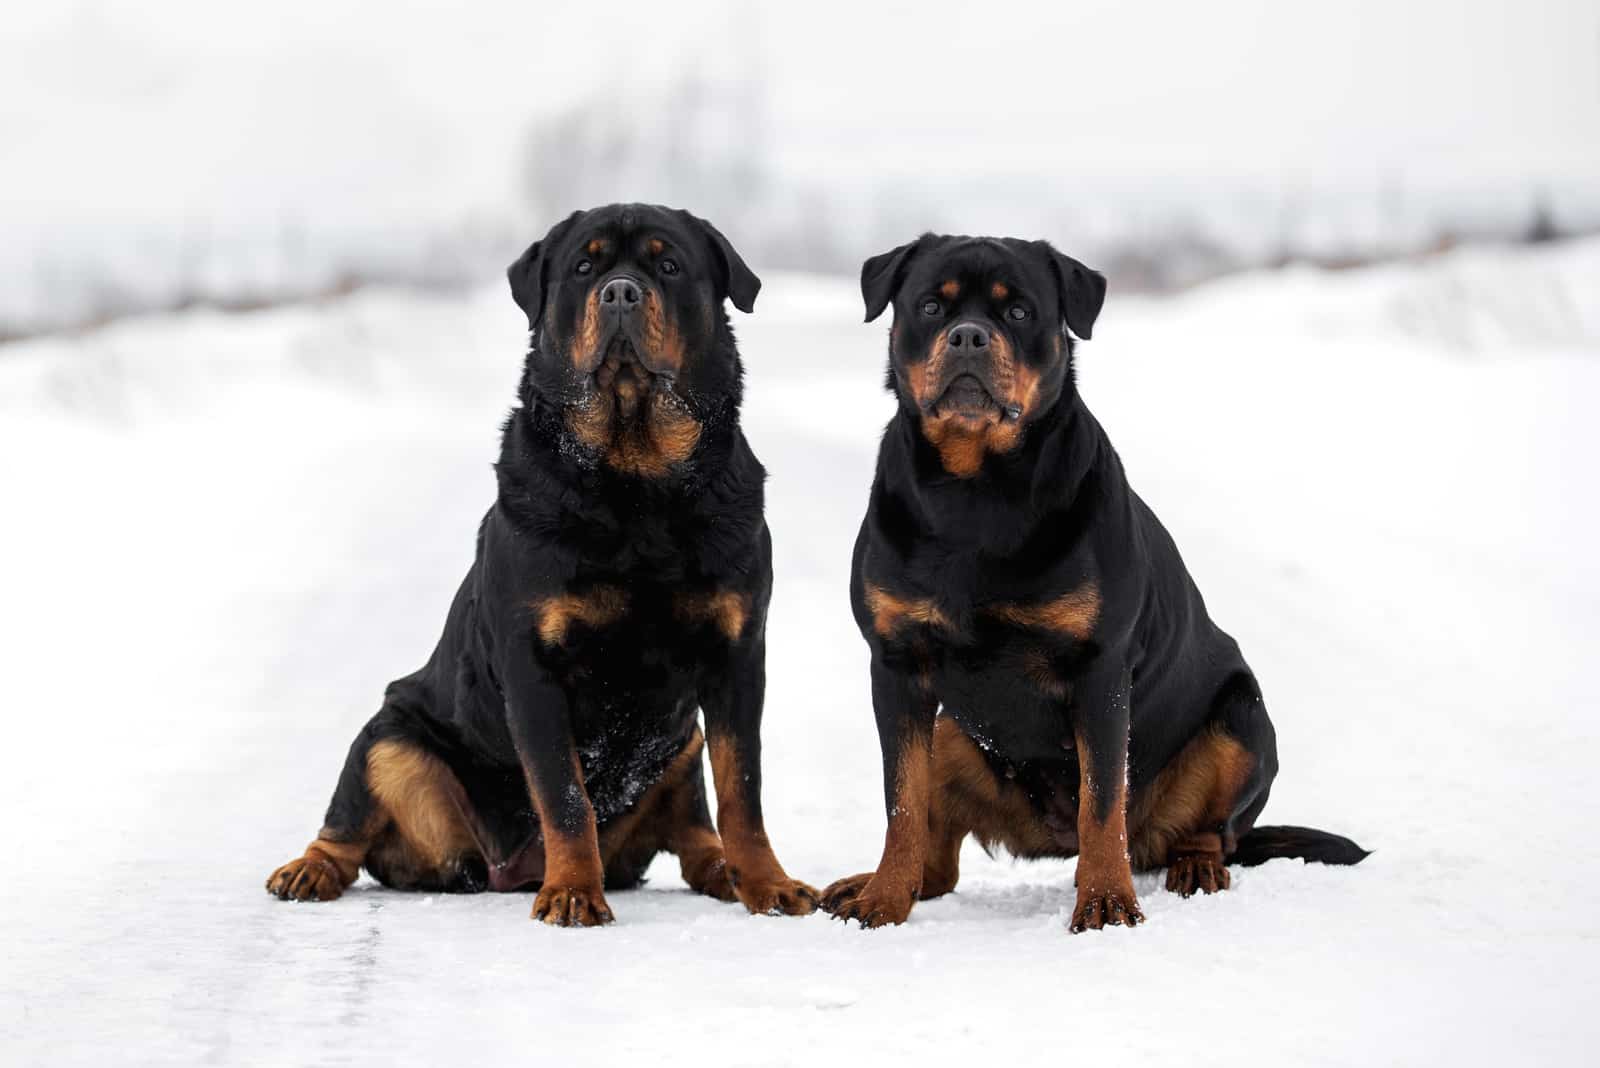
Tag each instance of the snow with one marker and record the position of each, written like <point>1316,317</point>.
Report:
<point>226,533</point>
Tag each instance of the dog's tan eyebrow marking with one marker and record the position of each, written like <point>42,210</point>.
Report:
<point>656,246</point>
<point>597,246</point>
<point>950,290</point>
<point>999,291</point>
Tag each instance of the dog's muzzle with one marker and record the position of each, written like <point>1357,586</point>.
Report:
<point>968,389</point>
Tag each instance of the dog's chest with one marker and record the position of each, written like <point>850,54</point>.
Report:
<point>629,636</point>
<point>1001,656</point>
<point>970,617</point>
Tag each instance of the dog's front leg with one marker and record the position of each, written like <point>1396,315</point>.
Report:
<point>732,702</point>
<point>572,894</point>
<point>905,712</point>
<point>1100,722</point>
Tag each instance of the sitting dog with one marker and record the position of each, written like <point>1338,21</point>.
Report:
<point>620,588</point>
<point>1006,574</point>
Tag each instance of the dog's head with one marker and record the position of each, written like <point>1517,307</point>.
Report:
<point>625,308</point>
<point>980,347</point>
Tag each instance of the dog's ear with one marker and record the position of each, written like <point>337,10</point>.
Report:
<point>735,278</point>
<point>1080,291</point>
<point>882,274</point>
<point>527,275</point>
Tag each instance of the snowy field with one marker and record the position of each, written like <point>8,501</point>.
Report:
<point>224,535</point>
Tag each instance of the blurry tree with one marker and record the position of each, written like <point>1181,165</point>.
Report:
<point>1542,226</point>
<point>700,144</point>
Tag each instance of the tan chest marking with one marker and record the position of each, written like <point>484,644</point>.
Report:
<point>1073,614</point>
<point>726,610</point>
<point>596,607</point>
<point>892,612</point>
<point>649,447</point>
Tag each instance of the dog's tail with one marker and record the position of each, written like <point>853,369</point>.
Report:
<point>1262,844</point>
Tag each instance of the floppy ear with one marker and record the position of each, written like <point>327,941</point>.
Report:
<point>1080,291</point>
<point>739,282</point>
<point>881,276</point>
<point>527,274</point>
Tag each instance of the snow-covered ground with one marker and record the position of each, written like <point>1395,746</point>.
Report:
<point>223,535</point>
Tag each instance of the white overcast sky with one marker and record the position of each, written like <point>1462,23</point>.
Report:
<point>165,113</point>
<point>1222,87</point>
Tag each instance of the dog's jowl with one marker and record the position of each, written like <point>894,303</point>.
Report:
<point>1044,673</point>
<point>620,589</point>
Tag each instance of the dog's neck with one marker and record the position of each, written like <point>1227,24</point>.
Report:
<point>997,508</point>
<point>644,432</point>
<point>557,453</point>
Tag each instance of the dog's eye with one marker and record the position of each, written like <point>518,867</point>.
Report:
<point>1017,312</point>
<point>669,266</point>
<point>584,267</point>
<point>931,307</point>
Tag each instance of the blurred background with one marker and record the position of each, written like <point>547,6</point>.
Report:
<point>256,346</point>
<point>185,152</point>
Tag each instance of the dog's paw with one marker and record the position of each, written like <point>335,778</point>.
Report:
<point>571,906</point>
<point>870,901</point>
<point>1105,909</point>
<point>842,891</point>
<point>312,877</point>
<point>1206,874</point>
<point>772,895</point>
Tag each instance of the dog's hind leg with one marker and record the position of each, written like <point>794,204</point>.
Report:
<point>967,797</point>
<point>398,810</point>
<point>672,816</point>
<point>333,861</point>
<point>692,837</point>
<point>958,766</point>
<point>1193,814</point>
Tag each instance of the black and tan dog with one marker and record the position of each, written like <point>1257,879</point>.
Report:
<point>620,588</point>
<point>1006,574</point>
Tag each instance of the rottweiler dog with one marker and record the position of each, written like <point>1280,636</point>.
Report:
<point>619,589</point>
<point>1044,673</point>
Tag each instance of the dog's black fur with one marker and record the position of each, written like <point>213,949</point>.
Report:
<point>1006,574</point>
<point>620,587</point>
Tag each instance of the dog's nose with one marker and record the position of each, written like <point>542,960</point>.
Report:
<point>969,337</point>
<point>621,294</point>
